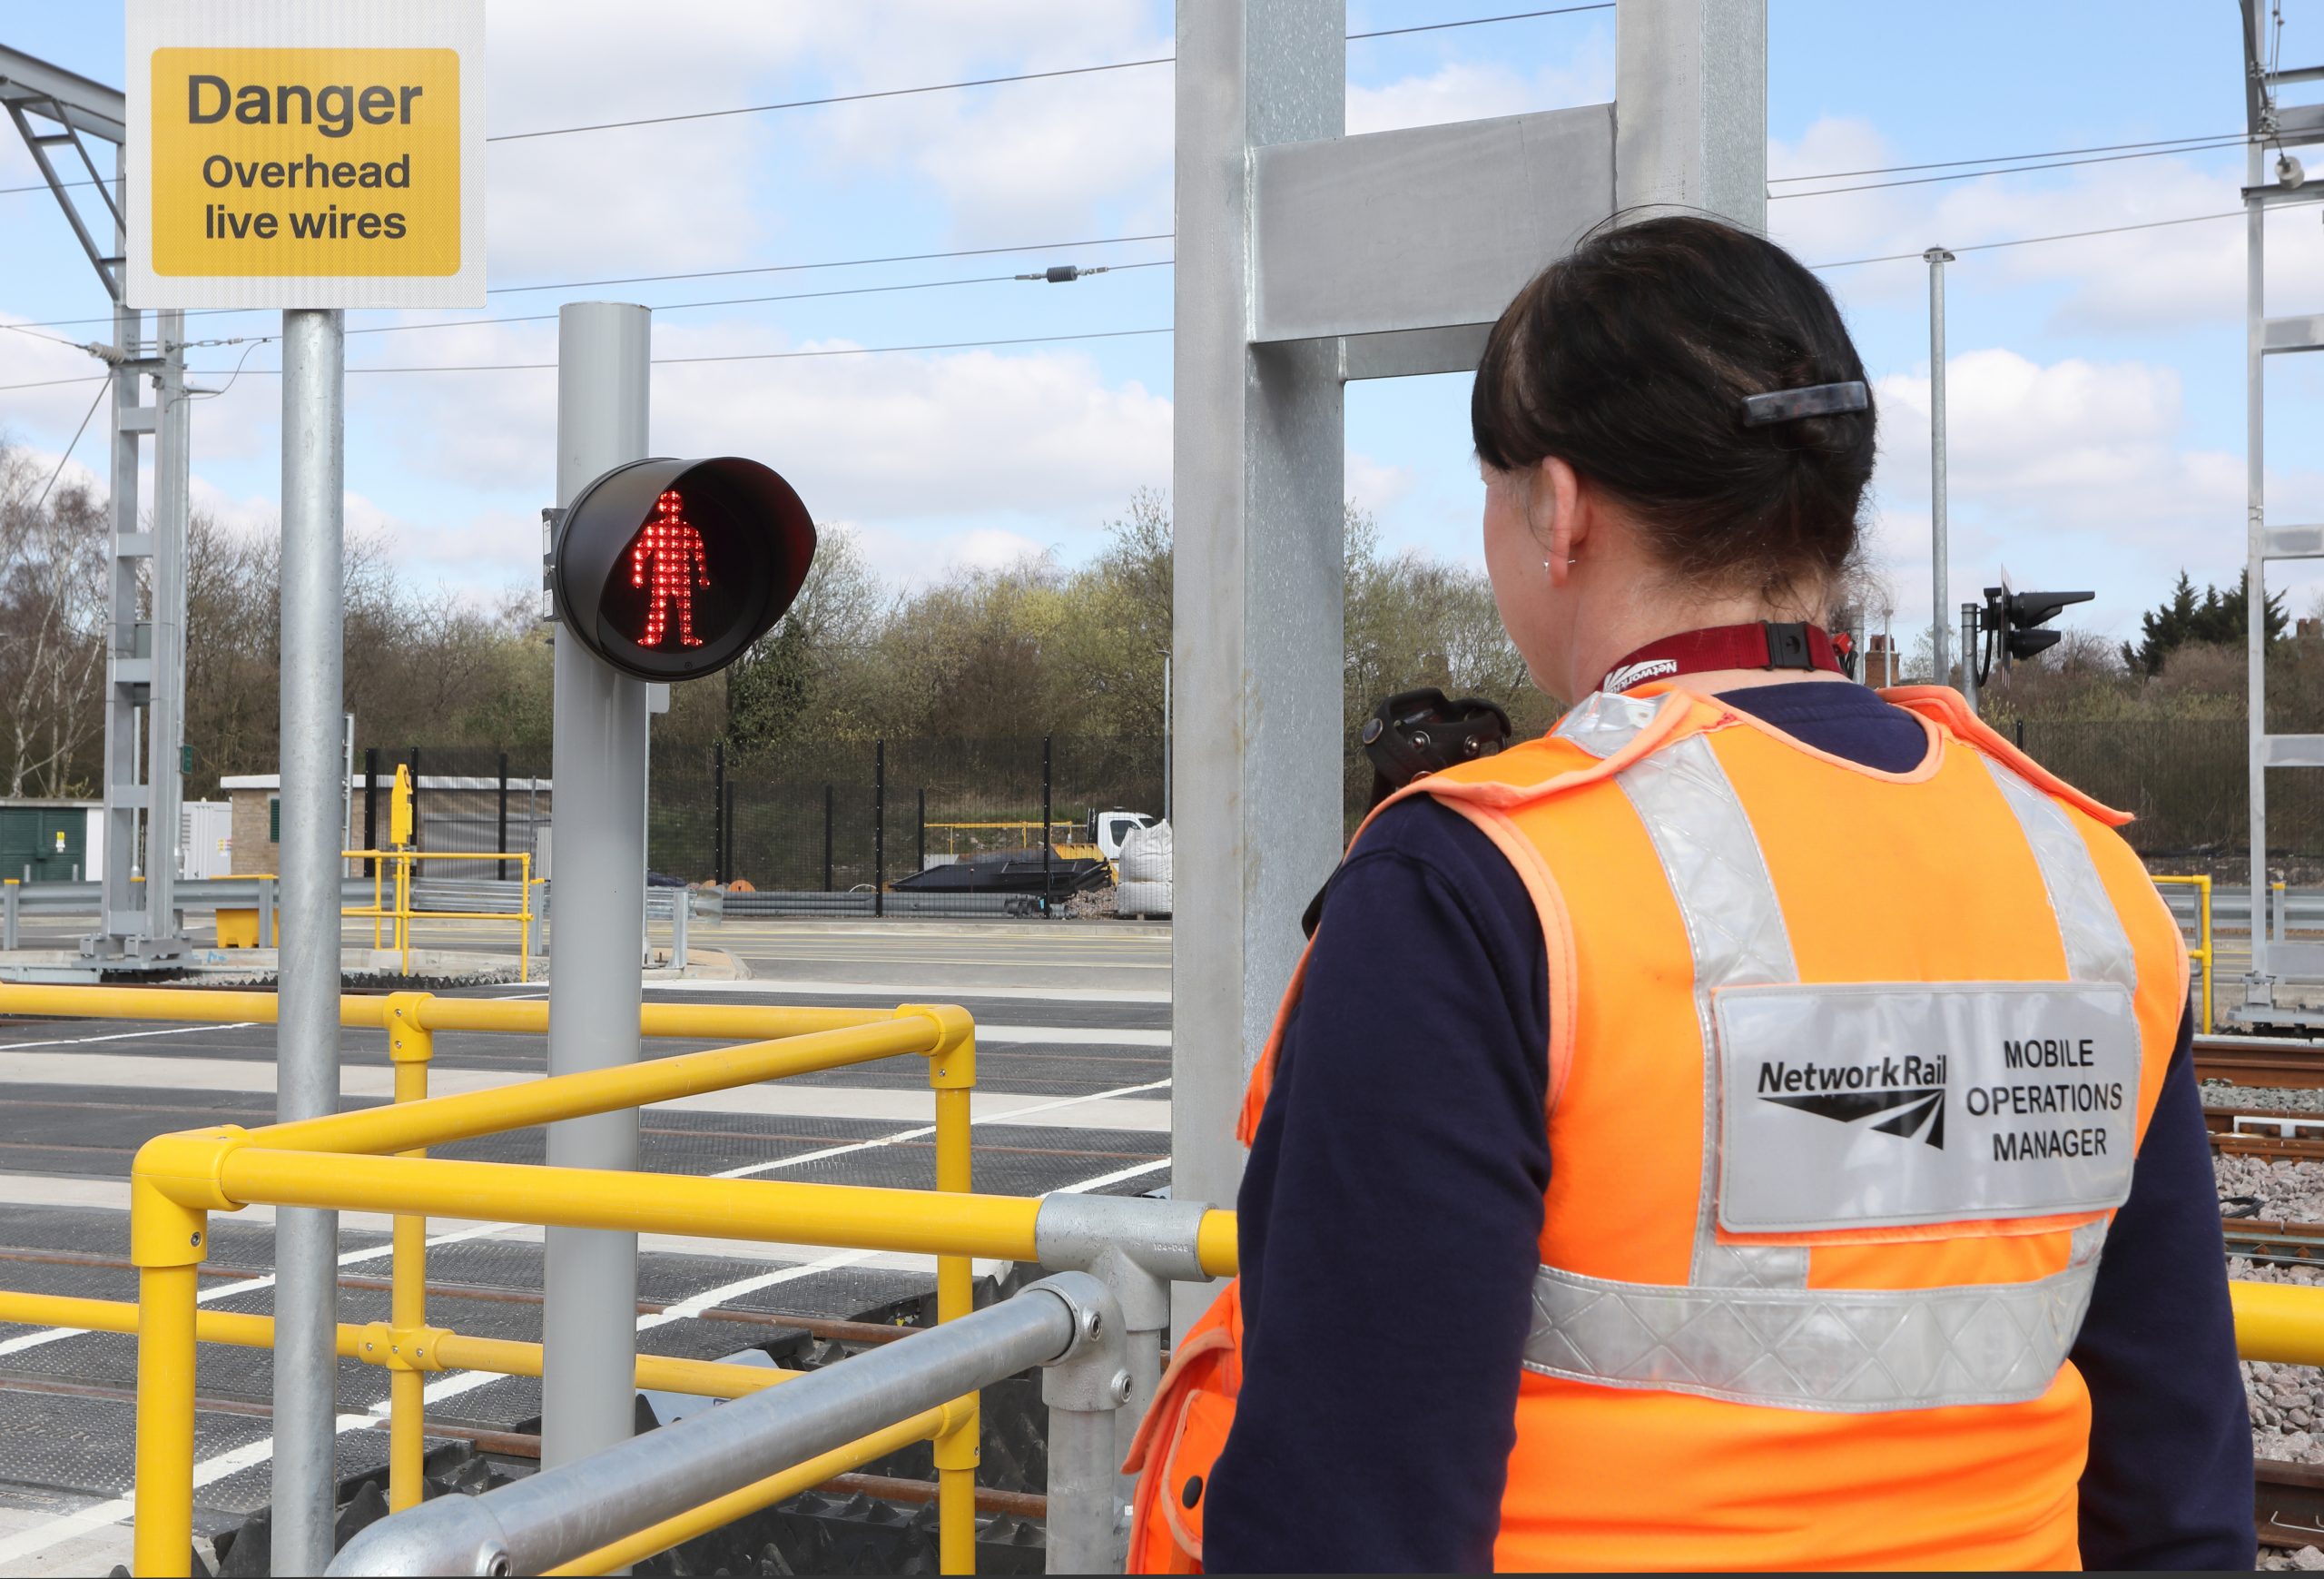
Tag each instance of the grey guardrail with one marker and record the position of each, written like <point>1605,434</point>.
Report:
<point>898,902</point>
<point>198,893</point>
<point>2232,906</point>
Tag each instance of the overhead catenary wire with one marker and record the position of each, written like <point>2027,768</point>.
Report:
<point>2166,143</point>
<point>699,274</point>
<point>681,361</point>
<point>2193,218</point>
<point>1111,334</point>
<point>875,93</point>
<point>2234,141</point>
<point>67,456</point>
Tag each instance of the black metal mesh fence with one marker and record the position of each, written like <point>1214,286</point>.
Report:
<point>858,818</point>
<point>474,798</point>
<point>2187,781</point>
<point>845,818</point>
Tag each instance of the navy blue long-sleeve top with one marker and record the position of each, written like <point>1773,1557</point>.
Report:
<point>1401,1163</point>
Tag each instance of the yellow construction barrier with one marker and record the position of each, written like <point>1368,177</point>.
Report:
<point>2200,955</point>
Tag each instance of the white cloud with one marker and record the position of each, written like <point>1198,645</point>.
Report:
<point>1474,91</point>
<point>2171,276</point>
<point>2071,473</point>
<point>1376,486</point>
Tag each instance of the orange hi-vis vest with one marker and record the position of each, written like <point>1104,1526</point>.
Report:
<point>1847,1073</point>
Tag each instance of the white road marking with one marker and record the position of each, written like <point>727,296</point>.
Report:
<point>6,1046</point>
<point>1009,1117</point>
<point>1100,1182</point>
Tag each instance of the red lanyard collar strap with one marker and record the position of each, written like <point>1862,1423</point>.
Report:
<point>1760,645</point>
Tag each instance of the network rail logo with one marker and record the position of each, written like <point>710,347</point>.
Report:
<point>1894,1096</point>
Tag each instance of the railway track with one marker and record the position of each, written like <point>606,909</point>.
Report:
<point>2260,1060</point>
<point>2287,1504</point>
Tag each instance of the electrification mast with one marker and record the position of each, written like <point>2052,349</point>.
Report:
<point>2275,128</point>
<point>59,114</point>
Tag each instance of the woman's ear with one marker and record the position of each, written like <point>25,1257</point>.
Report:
<point>1559,514</point>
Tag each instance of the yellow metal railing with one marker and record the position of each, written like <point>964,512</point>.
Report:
<point>392,900</point>
<point>401,888</point>
<point>2199,955</point>
<point>179,1179</point>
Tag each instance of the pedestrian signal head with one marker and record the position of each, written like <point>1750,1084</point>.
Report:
<point>668,569</point>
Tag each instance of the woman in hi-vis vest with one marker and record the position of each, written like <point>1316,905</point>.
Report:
<point>1752,1126</point>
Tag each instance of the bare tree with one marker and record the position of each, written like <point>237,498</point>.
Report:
<point>51,625</point>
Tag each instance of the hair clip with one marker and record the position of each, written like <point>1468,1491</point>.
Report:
<point>1810,400</point>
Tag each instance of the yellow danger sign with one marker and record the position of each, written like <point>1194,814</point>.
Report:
<point>306,162</point>
<point>296,155</point>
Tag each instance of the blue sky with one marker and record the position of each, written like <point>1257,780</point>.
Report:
<point>2095,386</point>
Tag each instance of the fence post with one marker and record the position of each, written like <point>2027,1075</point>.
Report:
<point>500,868</point>
<point>734,872</point>
<point>681,910</point>
<point>718,812</point>
<point>920,854</point>
<point>828,804</point>
<point>371,806</point>
<point>268,936</point>
<point>8,897</point>
<point>2021,735</point>
<point>879,827</point>
<point>1046,879</point>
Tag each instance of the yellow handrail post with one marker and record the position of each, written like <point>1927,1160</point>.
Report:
<point>379,908</point>
<point>952,1071</point>
<point>410,1045</point>
<point>168,1240</point>
<point>524,916</point>
<point>2203,890</point>
<point>403,911</point>
<point>2200,955</point>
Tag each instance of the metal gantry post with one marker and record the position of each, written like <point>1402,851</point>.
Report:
<point>306,1358</point>
<point>588,1325</point>
<point>166,707</point>
<point>1306,259</point>
<point>2258,980</point>
<point>1257,637</point>
<point>1940,550</point>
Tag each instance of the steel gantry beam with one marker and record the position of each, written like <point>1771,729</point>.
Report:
<point>59,114</point>
<point>1307,258</point>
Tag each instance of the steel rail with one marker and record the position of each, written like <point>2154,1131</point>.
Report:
<point>2260,1060</point>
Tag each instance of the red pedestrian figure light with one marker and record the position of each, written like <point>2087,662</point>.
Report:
<point>667,557</point>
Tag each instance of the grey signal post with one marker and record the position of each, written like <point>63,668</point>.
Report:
<point>589,1322</point>
<point>1307,258</point>
<point>306,1295</point>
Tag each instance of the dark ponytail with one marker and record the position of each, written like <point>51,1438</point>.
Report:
<point>1629,359</point>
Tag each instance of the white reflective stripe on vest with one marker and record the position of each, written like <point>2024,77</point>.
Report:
<point>1746,1327</point>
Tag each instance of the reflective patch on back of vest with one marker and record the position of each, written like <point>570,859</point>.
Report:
<point>1870,1105</point>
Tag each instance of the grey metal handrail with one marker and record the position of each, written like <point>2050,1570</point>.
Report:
<point>1070,1323</point>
